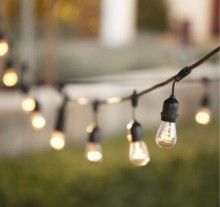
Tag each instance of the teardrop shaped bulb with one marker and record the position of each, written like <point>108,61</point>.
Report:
<point>138,153</point>
<point>10,77</point>
<point>28,104</point>
<point>57,140</point>
<point>4,47</point>
<point>203,116</point>
<point>166,134</point>
<point>94,152</point>
<point>38,121</point>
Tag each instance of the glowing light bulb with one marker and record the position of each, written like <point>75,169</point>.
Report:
<point>93,147</point>
<point>94,152</point>
<point>138,153</point>
<point>38,121</point>
<point>3,47</point>
<point>10,77</point>
<point>203,116</point>
<point>57,140</point>
<point>129,126</point>
<point>28,104</point>
<point>166,134</point>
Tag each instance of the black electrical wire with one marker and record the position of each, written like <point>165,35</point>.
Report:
<point>176,78</point>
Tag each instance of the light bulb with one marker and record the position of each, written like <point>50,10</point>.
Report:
<point>129,134</point>
<point>93,147</point>
<point>38,121</point>
<point>10,77</point>
<point>28,104</point>
<point>3,47</point>
<point>57,140</point>
<point>203,116</point>
<point>166,134</point>
<point>138,153</point>
<point>94,152</point>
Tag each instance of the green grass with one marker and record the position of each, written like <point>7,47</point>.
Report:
<point>185,176</point>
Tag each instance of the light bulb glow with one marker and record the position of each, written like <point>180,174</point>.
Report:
<point>138,153</point>
<point>203,116</point>
<point>28,104</point>
<point>57,140</point>
<point>94,152</point>
<point>3,47</point>
<point>129,125</point>
<point>166,134</point>
<point>10,77</point>
<point>38,121</point>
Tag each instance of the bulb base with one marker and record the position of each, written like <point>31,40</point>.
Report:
<point>170,110</point>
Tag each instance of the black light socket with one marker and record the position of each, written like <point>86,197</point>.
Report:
<point>205,101</point>
<point>170,109</point>
<point>1,36</point>
<point>136,132</point>
<point>8,64</point>
<point>60,122</point>
<point>37,106</point>
<point>24,88</point>
<point>94,136</point>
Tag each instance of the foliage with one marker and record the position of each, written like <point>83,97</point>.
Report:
<point>187,175</point>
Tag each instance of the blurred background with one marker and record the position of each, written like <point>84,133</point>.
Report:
<point>107,48</point>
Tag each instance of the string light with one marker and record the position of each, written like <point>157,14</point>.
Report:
<point>10,77</point>
<point>4,47</point>
<point>93,147</point>
<point>203,115</point>
<point>37,119</point>
<point>28,103</point>
<point>166,134</point>
<point>57,140</point>
<point>138,151</point>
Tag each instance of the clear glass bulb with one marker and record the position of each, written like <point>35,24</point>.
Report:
<point>129,126</point>
<point>3,47</point>
<point>38,121</point>
<point>138,153</point>
<point>28,104</point>
<point>203,116</point>
<point>57,140</point>
<point>94,152</point>
<point>10,77</point>
<point>166,134</point>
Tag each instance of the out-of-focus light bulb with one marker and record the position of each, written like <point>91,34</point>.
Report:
<point>138,153</point>
<point>166,134</point>
<point>94,152</point>
<point>10,77</point>
<point>203,116</point>
<point>3,47</point>
<point>129,126</point>
<point>57,140</point>
<point>38,121</point>
<point>28,104</point>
